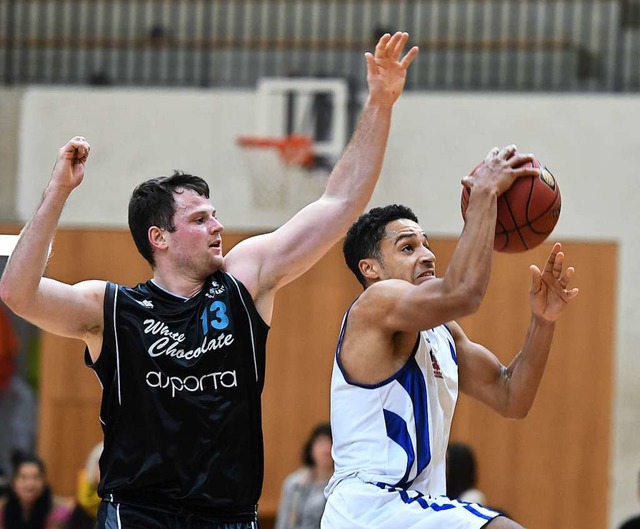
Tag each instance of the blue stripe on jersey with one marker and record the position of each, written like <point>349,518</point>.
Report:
<point>451,346</point>
<point>453,352</point>
<point>398,432</point>
<point>412,380</point>
<point>422,501</point>
<point>477,513</point>
<point>426,501</point>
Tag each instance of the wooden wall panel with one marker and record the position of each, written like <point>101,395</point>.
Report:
<point>550,470</point>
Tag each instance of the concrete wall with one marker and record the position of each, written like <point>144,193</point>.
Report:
<point>588,142</point>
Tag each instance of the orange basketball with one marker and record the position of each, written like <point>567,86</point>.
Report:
<point>527,212</point>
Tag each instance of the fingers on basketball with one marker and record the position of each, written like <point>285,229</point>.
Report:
<point>528,211</point>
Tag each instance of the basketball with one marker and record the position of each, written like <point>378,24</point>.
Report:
<point>527,212</point>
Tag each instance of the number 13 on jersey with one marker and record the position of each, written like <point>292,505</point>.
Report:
<point>215,316</point>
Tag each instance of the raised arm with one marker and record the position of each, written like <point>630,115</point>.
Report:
<point>270,261</point>
<point>402,306</point>
<point>511,390</point>
<point>68,310</point>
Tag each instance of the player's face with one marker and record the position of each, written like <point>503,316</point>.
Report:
<point>196,245</point>
<point>406,253</point>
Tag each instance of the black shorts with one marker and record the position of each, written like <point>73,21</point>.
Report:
<point>125,516</point>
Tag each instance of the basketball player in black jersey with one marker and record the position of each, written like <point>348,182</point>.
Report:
<point>181,357</point>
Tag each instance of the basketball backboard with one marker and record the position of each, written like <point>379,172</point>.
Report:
<point>313,107</point>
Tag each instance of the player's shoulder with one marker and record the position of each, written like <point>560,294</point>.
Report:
<point>244,261</point>
<point>380,296</point>
<point>92,288</point>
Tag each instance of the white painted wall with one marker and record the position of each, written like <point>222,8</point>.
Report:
<point>588,142</point>
<point>10,105</point>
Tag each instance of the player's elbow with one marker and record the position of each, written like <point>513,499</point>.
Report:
<point>517,409</point>
<point>10,296</point>
<point>6,293</point>
<point>466,297</point>
<point>516,413</point>
<point>512,403</point>
<point>475,298</point>
<point>470,299</point>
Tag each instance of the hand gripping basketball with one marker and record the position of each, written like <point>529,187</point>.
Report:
<point>527,212</point>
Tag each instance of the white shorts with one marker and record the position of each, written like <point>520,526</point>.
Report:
<point>354,504</point>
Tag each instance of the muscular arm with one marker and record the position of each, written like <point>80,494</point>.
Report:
<point>403,300</point>
<point>401,306</point>
<point>270,261</point>
<point>511,390</point>
<point>68,310</point>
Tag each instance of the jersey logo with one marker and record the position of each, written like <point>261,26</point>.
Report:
<point>437,372</point>
<point>148,304</point>
<point>215,289</point>
<point>170,343</point>
<point>192,384</point>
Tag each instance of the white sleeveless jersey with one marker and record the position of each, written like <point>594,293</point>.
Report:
<point>396,432</point>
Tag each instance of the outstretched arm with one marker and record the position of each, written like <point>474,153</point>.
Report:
<point>68,310</point>
<point>402,306</point>
<point>270,261</point>
<point>511,390</point>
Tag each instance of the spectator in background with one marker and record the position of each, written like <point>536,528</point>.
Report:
<point>302,500</point>
<point>17,401</point>
<point>462,475</point>
<point>85,512</point>
<point>633,523</point>
<point>30,503</point>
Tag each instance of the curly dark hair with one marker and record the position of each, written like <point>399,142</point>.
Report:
<point>364,236</point>
<point>153,204</point>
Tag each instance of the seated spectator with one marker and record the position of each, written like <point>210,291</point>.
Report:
<point>461,474</point>
<point>302,500</point>
<point>30,503</point>
<point>85,512</point>
<point>18,404</point>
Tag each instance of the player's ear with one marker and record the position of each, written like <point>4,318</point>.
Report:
<point>369,268</point>
<point>156,237</point>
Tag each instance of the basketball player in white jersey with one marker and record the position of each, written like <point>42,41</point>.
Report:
<point>401,358</point>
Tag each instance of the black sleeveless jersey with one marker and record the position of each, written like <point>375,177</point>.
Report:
<point>181,414</point>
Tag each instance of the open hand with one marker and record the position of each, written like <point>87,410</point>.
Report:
<point>549,289</point>
<point>386,72</point>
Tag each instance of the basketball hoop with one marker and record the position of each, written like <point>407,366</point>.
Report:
<point>295,149</point>
<point>272,161</point>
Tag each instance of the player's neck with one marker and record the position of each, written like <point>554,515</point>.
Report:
<point>181,286</point>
